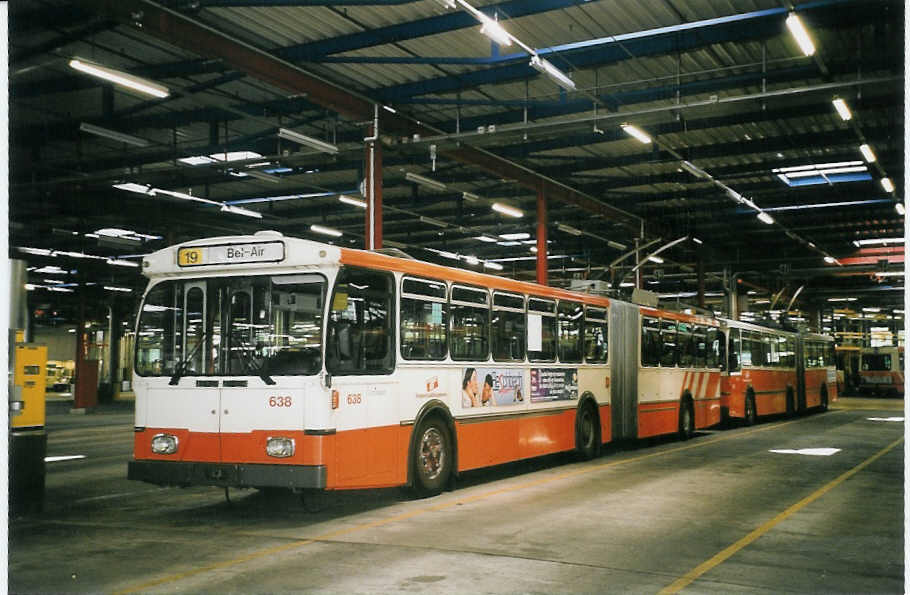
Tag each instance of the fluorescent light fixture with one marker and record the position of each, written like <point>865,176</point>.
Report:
<point>656,259</point>
<point>492,265</point>
<point>183,196</point>
<point>470,197</point>
<point>765,217</point>
<point>114,232</point>
<point>569,229</point>
<point>636,132</point>
<point>120,289</point>
<point>492,29</point>
<point>35,251</point>
<point>616,245</point>
<point>326,231</point>
<point>302,139</point>
<point>697,241</point>
<point>899,207</point>
<point>114,135</point>
<point>197,160</point>
<point>240,211</point>
<point>120,78</point>
<point>842,299</point>
<point>391,109</point>
<point>795,25</point>
<point>133,187</point>
<point>471,260</point>
<point>877,241</point>
<point>235,155</point>
<point>418,179</point>
<point>830,259</point>
<point>734,194</point>
<point>507,210</point>
<point>261,175</point>
<point>695,170</point>
<point>432,221</point>
<point>887,184</point>
<point>122,263</point>
<point>555,74</point>
<point>486,238</point>
<point>515,236</point>
<point>350,200</point>
<point>872,309</point>
<point>868,155</point>
<point>841,106</point>
<point>890,274</point>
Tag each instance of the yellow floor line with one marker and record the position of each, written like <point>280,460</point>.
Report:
<point>443,506</point>
<point>687,579</point>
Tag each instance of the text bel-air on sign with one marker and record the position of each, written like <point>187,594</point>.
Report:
<point>231,254</point>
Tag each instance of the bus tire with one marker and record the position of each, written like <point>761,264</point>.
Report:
<point>587,432</point>
<point>433,456</point>
<point>791,403</point>
<point>750,416</point>
<point>686,419</point>
<point>823,401</point>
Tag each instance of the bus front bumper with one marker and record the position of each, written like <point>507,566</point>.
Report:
<point>239,475</point>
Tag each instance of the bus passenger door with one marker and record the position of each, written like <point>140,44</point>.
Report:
<point>190,407</point>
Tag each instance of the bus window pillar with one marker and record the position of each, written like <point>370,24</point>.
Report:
<point>372,188</point>
<point>541,237</point>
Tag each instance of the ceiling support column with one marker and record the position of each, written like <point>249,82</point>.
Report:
<point>372,188</point>
<point>541,236</point>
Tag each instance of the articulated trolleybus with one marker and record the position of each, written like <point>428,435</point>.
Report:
<point>267,361</point>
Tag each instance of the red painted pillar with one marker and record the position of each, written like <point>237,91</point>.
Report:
<point>372,193</point>
<point>541,237</point>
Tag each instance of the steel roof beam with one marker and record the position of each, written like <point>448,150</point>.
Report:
<point>736,28</point>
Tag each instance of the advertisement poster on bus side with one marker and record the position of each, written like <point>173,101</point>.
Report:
<point>553,384</point>
<point>486,387</point>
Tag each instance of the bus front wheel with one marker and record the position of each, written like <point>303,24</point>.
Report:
<point>824,399</point>
<point>433,457</point>
<point>750,415</point>
<point>686,420</point>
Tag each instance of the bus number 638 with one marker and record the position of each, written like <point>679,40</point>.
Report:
<point>280,401</point>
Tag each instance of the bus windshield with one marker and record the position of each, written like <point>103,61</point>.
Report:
<point>236,326</point>
<point>877,362</point>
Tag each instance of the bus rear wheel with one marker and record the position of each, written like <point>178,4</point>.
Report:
<point>823,404</point>
<point>686,420</point>
<point>432,457</point>
<point>587,443</point>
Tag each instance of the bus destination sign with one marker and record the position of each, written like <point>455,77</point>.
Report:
<point>231,254</point>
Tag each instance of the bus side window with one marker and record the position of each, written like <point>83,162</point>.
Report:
<point>596,335</point>
<point>469,323</point>
<point>508,331</point>
<point>669,352</point>
<point>541,330</point>
<point>570,315</point>
<point>360,336</point>
<point>736,353</point>
<point>423,319</point>
<point>650,341</point>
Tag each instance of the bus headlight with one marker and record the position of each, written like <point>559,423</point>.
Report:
<point>281,448</point>
<point>164,444</point>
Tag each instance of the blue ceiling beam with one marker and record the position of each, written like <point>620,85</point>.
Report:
<point>316,50</point>
<point>665,40</point>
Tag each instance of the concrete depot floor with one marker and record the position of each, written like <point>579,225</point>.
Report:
<point>632,521</point>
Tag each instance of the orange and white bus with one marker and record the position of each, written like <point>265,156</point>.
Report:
<point>761,375</point>
<point>269,361</point>
<point>881,370</point>
<point>773,371</point>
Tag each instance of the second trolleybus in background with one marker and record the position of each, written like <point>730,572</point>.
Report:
<point>268,361</point>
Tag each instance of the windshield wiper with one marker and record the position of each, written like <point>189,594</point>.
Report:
<point>180,370</point>
<point>252,366</point>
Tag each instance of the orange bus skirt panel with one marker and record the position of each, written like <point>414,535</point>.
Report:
<point>655,419</point>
